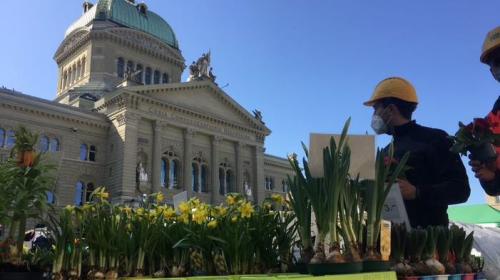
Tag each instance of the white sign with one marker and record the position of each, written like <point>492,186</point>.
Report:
<point>180,198</point>
<point>362,154</point>
<point>394,209</point>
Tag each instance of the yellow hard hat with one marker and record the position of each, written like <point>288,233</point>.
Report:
<point>395,87</point>
<point>491,42</point>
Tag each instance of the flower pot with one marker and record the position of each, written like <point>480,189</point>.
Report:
<point>335,268</point>
<point>21,275</point>
<point>468,276</point>
<point>484,153</point>
<point>410,278</point>
<point>442,277</point>
<point>455,277</point>
<point>428,277</point>
<point>375,266</point>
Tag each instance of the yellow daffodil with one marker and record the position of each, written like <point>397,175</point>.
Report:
<point>221,211</point>
<point>140,211</point>
<point>200,216</point>
<point>127,210</point>
<point>184,208</point>
<point>70,208</point>
<point>168,213</point>
<point>246,210</point>
<point>234,219</point>
<point>184,218</point>
<point>105,195</point>
<point>159,198</point>
<point>212,224</point>
<point>230,200</point>
<point>277,198</point>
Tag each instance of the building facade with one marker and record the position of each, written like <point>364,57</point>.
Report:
<point>122,118</point>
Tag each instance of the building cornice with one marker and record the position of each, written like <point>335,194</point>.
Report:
<point>37,106</point>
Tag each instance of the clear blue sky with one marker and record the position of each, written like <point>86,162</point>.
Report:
<point>307,65</point>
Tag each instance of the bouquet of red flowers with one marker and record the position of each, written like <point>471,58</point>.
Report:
<point>478,139</point>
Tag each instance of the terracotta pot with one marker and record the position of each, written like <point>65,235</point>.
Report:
<point>455,277</point>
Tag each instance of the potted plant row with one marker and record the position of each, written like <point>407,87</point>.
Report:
<point>434,253</point>
<point>347,210</point>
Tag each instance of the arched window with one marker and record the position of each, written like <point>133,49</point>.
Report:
<point>174,173</point>
<point>157,77</point>
<point>44,144</point>
<point>130,66</point>
<point>229,181</point>
<point>204,178</point>
<point>267,183</point>
<point>222,181</point>
<point>79,190</point>
<point>120,67</point>
<point>163,176</point>
<point>284,185</point>
<point>64,80</point>
<point>195,177</point>
<point>2,137</point>
<point>147,78</point>
<point>88,191</point>
<point>83,152</point>
<point>92,153</point>
<point>271,183</point>
<point>138,77</point>
<point>164,79</point>
<point>54,145</point>
<point>11,139</point>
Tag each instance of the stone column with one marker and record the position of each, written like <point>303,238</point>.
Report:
<point>214,191</point>
<point>239,168</point>
<point>156,171</point>
<point>258,188</point>
<point>188,160</point>
<point>127,129</point>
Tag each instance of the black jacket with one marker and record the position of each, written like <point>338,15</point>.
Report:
<point>493,188</point>
<point>438,174</point>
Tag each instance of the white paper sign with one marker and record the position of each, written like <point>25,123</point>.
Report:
<point>180,198</point>
<point>394,208</point>
<point>362,154</point>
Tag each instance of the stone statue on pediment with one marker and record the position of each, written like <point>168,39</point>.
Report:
<point>258,115</point>
<point>201,69</point>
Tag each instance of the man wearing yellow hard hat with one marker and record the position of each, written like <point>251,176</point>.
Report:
<point>436,177</point>
<point>489,173</point>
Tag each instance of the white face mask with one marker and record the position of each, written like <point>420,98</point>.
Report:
<point>378,125</point>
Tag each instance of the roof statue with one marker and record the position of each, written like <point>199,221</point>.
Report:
<point>201,70</point>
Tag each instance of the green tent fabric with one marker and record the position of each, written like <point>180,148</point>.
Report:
<point>474,214</point>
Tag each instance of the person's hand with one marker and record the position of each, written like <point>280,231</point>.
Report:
<point>484,172</point>
<point>408,191</point>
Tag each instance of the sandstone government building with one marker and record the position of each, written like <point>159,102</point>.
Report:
<point>122,117</point>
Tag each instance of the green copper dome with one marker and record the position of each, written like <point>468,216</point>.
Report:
<point>129,14</point>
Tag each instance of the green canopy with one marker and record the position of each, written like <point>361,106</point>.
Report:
<point>480,214</point>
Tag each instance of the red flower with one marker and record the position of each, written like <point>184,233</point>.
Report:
<point>389,161</point>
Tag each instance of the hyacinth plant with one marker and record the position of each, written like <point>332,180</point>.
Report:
<point>301,205</point>
<point>387,171</point>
